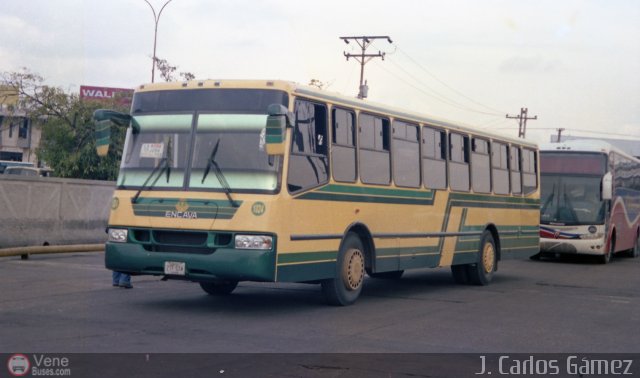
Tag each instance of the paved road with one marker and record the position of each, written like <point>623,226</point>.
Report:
<point>65,304</point>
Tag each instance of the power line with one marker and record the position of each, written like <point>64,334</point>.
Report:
<point>434,94</point>
<point>421,66</point>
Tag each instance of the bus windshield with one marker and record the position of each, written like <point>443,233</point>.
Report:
<point>571,200</point>
<point>229,146</point>
<point>570,190</point>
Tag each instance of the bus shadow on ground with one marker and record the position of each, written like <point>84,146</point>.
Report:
<point>277,298</point>
<point>578,259</point>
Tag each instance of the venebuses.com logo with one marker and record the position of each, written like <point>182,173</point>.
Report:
<point>20,365</point>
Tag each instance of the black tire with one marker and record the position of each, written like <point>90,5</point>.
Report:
<point>536,257</point>
<point>393,275</point>
<point>635,251</point>
<point>460,274</point>
<point>344,289</point>
<point>481,273</point>
<point>218,288</point>
<point>606,258</point>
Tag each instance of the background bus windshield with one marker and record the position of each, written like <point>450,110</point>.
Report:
<point>570,188</point>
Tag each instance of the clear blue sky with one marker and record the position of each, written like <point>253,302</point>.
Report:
<point>575,64</point>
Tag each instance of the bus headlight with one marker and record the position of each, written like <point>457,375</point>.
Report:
<point>253,242</point>
<point>118,235</point>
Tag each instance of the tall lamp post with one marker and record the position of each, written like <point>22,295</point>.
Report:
<point>156,19</point>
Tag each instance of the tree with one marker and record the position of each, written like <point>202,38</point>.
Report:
<point>67,144</point>
<point>167,71</point>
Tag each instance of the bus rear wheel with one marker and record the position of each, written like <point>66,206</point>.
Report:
<point>344,289</point>
<point>481,273</point>
<point>219,287</point>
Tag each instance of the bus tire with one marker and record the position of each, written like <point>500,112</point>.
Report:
<point>460,274</point>
<point>219,288</point>
<point>635,251</point>
<point>344,289</point>
<point>481,272</point>
<point>393,275</point>
<point>606,258</point>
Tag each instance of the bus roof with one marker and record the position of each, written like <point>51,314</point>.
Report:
<point>586,145</point>
<point>333,97</point>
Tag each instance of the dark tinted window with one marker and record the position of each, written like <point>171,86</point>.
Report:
<point>459,162</point>
<point>308,163</point>
<point>375,164</point>
<point>343,151</point>
<point>434,155</point>
<point>406,154</point>
<point>514,167</point>
<point>253,101</point>
<point>529,168</point>
<point>499,168</point>
<point>480,166</point>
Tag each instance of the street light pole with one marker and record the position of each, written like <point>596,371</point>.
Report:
<point>156,19</point>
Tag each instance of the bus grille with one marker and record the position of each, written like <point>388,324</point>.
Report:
<point>194,242</point>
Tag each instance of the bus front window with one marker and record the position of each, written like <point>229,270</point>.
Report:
<point>571,200</point>
<point>229,154</point>
<point>160,144</point>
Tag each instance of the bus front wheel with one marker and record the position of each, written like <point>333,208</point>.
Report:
<point>635,251</point>
<point>345,287</point>
<point>481,272</point>
<point>218,288</point>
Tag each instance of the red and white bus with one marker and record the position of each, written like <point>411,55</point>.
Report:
<point>590,199</point>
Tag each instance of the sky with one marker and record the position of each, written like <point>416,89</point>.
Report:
<point>575,64</point>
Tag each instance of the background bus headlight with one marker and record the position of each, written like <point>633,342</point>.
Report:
<point>118,235</point>
<point>254,242</point>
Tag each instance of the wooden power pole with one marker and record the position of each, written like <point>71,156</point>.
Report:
<point>522,121</point>
<point>363,57</point>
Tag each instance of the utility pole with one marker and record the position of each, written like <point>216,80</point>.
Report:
<point>363,57</point>
<point>522,121</point>
<point>560,130</point>
<point>156,19</point>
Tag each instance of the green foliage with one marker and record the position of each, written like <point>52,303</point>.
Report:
<point>67,144</point>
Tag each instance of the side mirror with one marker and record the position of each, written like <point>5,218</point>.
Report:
<point>277,121</point>
<point>607,186</point>
<point>104,119</point>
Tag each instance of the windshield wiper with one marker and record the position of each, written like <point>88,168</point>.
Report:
<point>219,174</point>
<point>165,166</point>
<point>165,163</point>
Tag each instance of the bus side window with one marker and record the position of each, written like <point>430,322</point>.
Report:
<point>308,163</point>
<point>480,166</point>
<point>459,162</point>
<point>375,162</point>
<point>514,168</point>
<point>434,158</point>
<point>529,166</point>
<point>499,168</point>
<point>343,149</point>
<point>406,154</point>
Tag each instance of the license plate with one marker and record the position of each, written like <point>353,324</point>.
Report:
<point>174,268</point>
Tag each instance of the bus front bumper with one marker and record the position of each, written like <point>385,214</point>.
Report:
<point>572,246</point>
<point>224,263</point>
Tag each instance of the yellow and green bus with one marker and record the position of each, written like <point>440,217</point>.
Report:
<point>224,181</point>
